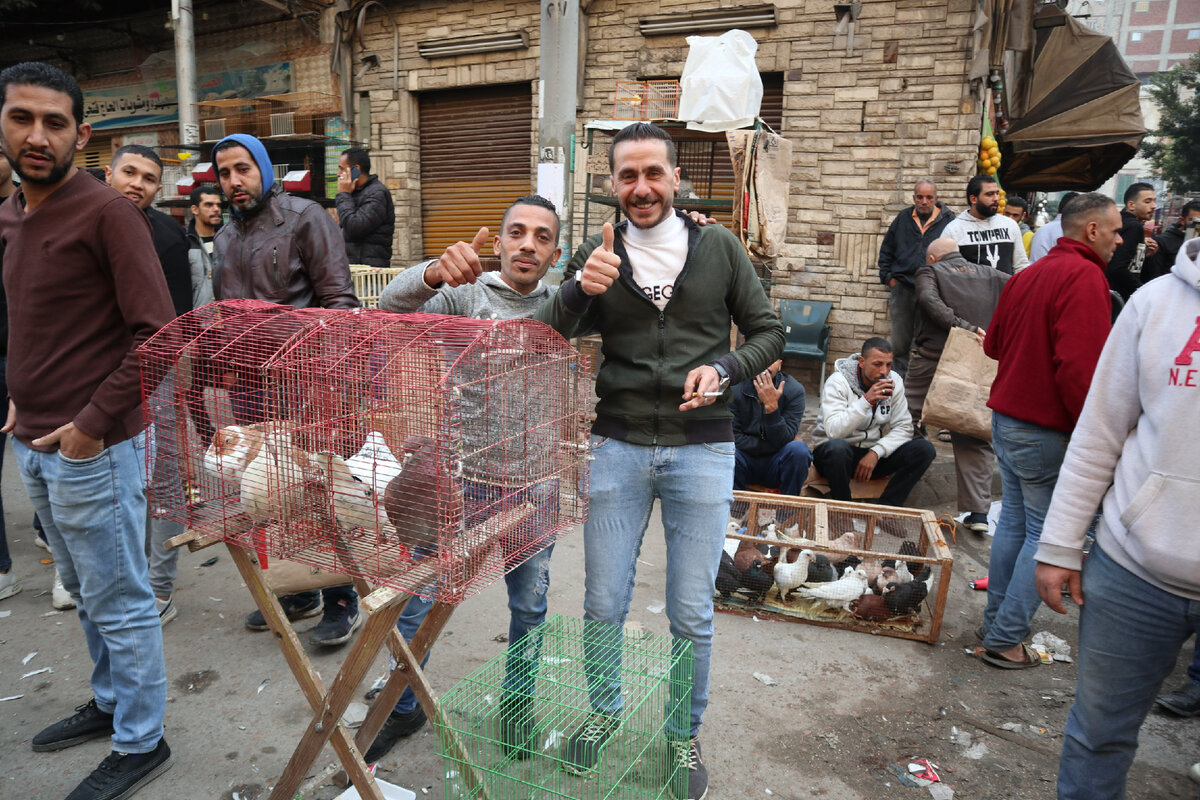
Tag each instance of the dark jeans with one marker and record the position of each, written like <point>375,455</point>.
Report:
<point>787,469</point>
<point>837,460</point>
<point>902,310</point>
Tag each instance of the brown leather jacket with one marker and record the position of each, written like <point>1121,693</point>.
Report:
<point>290,252</point>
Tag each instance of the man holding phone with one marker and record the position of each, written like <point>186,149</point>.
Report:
<point>865,430</point>
<point>365,211</point>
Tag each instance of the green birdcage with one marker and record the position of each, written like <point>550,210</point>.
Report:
<point>505,730</point>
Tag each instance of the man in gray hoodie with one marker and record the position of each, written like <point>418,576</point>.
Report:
<point>456,284</point>
<point>1133,454</point>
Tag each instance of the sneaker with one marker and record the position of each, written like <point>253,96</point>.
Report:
<point>88,722</point>
<point>41,542</point>
<point>166,609</point>
<point>8,585</point>
<point>1184,702</point>
<point>60,598</point>
<point>295,607</point>
<point>120,775</point>
<point>691,765</point>
<point>395,728</point>
<point>1194,772</point>
<point>582,751</point>
<point>976,522</point>
<point>516,727</point>
<point>337,626</point>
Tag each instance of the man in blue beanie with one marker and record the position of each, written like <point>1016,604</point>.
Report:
<point>286,250</point>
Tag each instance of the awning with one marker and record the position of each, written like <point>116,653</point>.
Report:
<point>1076,118</point>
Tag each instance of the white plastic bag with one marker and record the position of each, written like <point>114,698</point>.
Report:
<point>720,88</point>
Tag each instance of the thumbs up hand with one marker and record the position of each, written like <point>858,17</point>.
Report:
<point>459,264</point>
<point>602,266</point>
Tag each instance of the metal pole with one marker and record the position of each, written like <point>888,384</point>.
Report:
<point>556,107</point>
<point>185,69</point>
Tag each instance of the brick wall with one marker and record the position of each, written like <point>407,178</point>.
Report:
<point>865,126</point>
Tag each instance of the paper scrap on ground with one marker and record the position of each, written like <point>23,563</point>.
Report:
<point>29,658</point>
<point>37,672</point>
<point>765,679</point>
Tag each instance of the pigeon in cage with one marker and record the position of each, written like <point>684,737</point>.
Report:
<point>908,548</point>
<point>273,482</point>
<point>232,449</point>
<point>791,571</point>
<point>821,571</point>
<point>374,464</point>
<point>757,581</point>
<point>839,594</point>
<point>729,580</point>
<point>903,599</point>
<point>747,553</point>
<point>411,498</point>
<point>850,540</point>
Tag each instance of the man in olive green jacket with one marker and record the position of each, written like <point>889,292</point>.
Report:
<point>661,291</point>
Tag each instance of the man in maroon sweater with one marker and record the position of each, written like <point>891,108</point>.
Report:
<point>85,289</point>
<point>1046,334</point>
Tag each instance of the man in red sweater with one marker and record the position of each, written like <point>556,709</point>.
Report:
<point>1046,334</point>
<point>84,290</point>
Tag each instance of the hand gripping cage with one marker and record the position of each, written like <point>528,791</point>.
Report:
<point>426,453</point>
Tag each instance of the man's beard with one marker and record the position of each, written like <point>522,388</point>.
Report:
<point>984,210</point>
<point>250,207</point>
<point>924,214</point>
<point>56,174</point>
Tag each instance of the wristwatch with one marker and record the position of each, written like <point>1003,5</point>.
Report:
<point>722,374</point>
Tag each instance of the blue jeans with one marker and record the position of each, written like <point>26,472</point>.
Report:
<point>5,558</point>
<point>94,515</point>
<point>1130,633</point>
<point>527,585</point>
<point>694,485</point>
<point>1029,457</point>
<point>787,468</point>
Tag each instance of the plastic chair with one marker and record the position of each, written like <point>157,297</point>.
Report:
<point>806,334</point>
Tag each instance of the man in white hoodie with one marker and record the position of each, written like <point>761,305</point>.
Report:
<point>1133,453</point>
<point>984,235</point>
<point>865,429</point>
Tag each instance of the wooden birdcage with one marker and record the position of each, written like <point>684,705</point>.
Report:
<point>425,453</point>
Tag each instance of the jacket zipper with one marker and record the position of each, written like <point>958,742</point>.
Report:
<point>658,373</point>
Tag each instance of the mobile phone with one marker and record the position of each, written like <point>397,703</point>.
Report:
<point>354,173</point>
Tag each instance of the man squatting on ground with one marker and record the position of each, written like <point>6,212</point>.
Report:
<point>456,284</point>
<point>85,290</point>
<point>661,291</point>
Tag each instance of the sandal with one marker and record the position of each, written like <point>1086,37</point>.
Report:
<point>1032,659</point>
<point>943,435</point>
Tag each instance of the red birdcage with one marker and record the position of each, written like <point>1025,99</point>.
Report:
<point>427,453</point>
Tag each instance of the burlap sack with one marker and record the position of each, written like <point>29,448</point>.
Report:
<point>958,395</point>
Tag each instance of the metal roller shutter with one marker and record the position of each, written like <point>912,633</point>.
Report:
<point>476,158</point>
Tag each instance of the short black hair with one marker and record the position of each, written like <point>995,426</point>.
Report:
<point>359,157</point>
<point>975,185</point>
<point>137,150</point>
<point>639,132</point>
<point>876,343</point>
<point>35,73</point>
<point>1065,200</point>
<point>1135,189</point>
<point>198,192</point>
<point>97,173</point>
<point>1019,202</point>
<point>1083,205</point>
<point>228,144</point>
<point>1189,207</point>
<point>532,200</point>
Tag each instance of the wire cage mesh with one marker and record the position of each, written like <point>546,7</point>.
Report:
<point>879,569</point>
<point>511,732</point>
<point>427,453</point>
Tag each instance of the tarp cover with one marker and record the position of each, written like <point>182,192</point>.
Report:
<point>1077,118</point>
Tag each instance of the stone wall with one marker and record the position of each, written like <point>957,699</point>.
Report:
<point>865,125</point>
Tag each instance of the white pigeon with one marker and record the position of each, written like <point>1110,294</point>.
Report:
<point>790,575</point>
<point>374,464</point>
<point>272,483</point>
<point>232,449</point>
<point>840,593</point>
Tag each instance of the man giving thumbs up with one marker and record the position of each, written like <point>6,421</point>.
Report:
<point>661,291</point>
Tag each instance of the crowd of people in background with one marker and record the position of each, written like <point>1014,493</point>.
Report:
<point>1084,426</point>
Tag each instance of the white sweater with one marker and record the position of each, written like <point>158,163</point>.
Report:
<point>1137,445</point>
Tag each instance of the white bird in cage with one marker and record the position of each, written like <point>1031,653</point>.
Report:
<point>374,464</point>
<point>791,571</point>
<point>232,449</point>
<point>840,593</point>
<point>272,483</point>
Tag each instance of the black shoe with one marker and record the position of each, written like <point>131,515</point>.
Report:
<point>120,775</point>
<point>337,626</point>
<point>296,607</point>
<point>976,522</point>
<point>582,751</point>
<point>1185,702</point>
<point>516,727</point>
<point>691,777</point>
<point>396,727</point>
<point>88,722</point>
